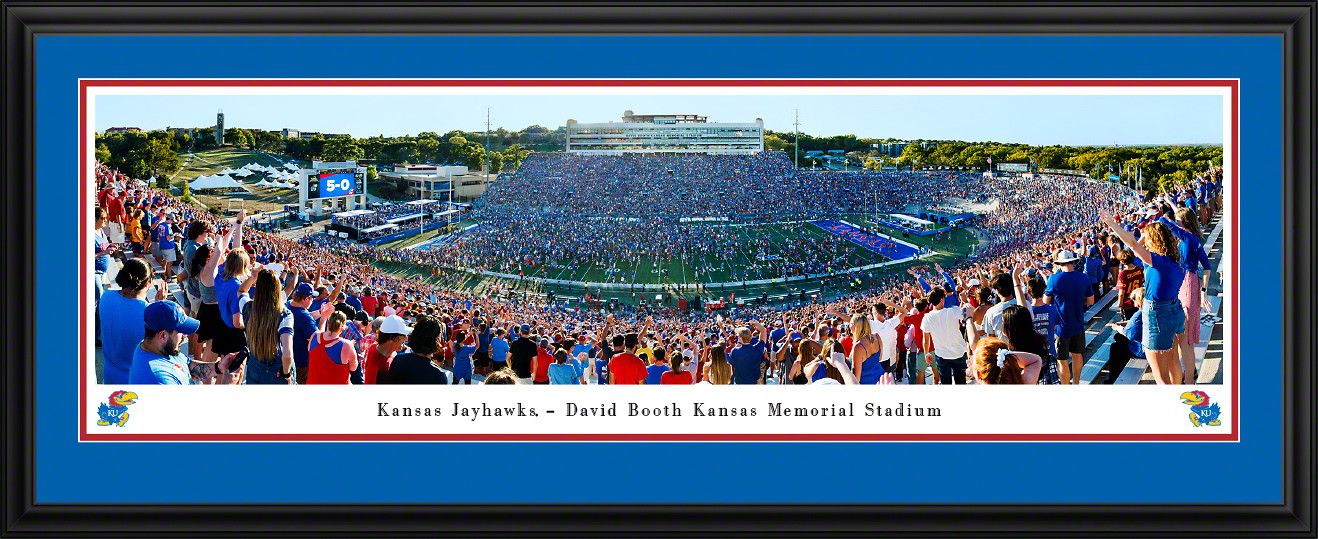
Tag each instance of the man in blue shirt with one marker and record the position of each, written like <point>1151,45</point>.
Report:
<point>163,234</point>
<point>1071,292</point>
<point>498,351</point>
<point>749,357</point>
<point>1094,269</point>
<point>949,286</point>
<point>157,359</point>
<point>352,300</point>
<point>304,326</point>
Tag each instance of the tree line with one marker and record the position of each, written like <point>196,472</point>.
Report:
<point>1160,165</point>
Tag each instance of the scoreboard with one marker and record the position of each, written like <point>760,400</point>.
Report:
<point>334,183</point>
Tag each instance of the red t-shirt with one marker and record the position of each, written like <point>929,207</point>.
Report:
<point>369,304</point>
<point>114,207</point>
<point>627,369</point>
<point>670,377</point>
<point>915,320</point>
<point>846,344</point>
<point>376,365</point>
<point>543,358</point>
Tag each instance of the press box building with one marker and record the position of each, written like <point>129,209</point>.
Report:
<point>664,133</point>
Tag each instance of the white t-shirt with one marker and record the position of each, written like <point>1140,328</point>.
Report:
<point>943,326</point>
<point>887,332</point>
<point>277,268</point>
<point>993,318</point>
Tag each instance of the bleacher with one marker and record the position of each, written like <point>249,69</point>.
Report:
<point>1137,369</point>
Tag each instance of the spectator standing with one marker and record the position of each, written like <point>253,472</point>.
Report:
<point>121,319</point>
<point>269,329</point>
<point>944,341</point>
<point>1071,292</point>
<point>417,366</point>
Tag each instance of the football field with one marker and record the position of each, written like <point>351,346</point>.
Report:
<point>676,273</point>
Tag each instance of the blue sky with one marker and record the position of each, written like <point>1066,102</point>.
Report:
<point>1035,120</point>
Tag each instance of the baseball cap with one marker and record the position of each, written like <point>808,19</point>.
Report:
<point>168,316</point>
<point>526,328</point>
<point>395,324</point>
<point>974,282</point>
<point>305,289</point>
<point>1093,251</point>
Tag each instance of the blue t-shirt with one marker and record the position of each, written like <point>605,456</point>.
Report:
<point>581,349</point>
<point>99,243</point>
<point>1162,279</point>
<point>602,370</point>
<point>1193,257</point>
<point>1134,332</point>
<point>229,298</point>
<point>580,368</point>
<point>164,235</point>
<point>746,360</point>
<point>156,369</point>
<point>122,327</point>
<point>304,326</point>
<point>562,374</point>
<point>1093,267</point>
<point>1069,290</point>
<point>656,374</point>
<point>353,302</point>
<point>462,360</point>
<point>777,335</point>
<point>1046,319</point>
<point>483,341</point>
<point>498,350</point>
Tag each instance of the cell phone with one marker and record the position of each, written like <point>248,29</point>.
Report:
<point>238,360</point>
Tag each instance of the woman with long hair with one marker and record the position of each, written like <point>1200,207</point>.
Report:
<point>997,364</point>
<point>231,291</point>
<point>269,333</point>
<point>718,372</point>
<point>1018,327</point>
<point>866,351</point>
<point>1194,290</point>
<point>212,325</point>
<point>1164,319</point>
<point>830,367</point>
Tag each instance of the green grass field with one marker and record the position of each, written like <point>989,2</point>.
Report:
<point>956,245</point>
<point>211,162</point>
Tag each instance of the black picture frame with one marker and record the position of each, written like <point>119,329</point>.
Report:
<point>23,21</point>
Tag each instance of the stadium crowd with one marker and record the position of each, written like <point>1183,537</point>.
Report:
<point>258,308</point>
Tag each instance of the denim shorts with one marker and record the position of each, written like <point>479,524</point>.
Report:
<point>1163,321</point>
<point>260,372</point>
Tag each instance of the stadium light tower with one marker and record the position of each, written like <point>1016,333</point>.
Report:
<point>796,147</point>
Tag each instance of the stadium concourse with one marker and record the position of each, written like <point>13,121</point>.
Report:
<point>1031,306</point>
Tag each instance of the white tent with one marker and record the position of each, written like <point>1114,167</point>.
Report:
<point>264,182</point>
<point>228,170</point>
<point>215,182</point>
<point>243,173</point>
<point>292,166</point>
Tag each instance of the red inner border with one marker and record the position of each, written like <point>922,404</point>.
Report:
<point>84,196</point>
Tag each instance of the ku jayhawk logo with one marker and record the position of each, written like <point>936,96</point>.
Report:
<point>115,412</point>
<point>1201,413</point>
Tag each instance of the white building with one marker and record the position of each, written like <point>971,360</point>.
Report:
<point>664,133</point>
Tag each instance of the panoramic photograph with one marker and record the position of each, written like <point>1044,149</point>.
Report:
<point>632,239</point>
